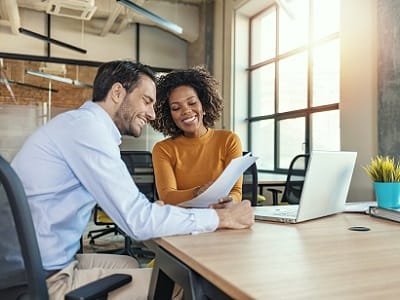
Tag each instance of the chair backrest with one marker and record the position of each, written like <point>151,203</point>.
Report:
<point>295,179</point>
<point>100,217</point>
<point>250,184</point>
<point>140,166</point>
<point>21,271</point>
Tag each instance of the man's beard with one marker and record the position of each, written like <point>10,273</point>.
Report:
<point>124,121</point>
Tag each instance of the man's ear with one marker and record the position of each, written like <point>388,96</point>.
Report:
<point>118,92</point>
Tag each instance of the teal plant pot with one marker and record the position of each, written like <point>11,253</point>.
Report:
<point>387,194</point>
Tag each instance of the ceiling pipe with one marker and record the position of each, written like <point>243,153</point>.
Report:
<point>50,40</point>
<point>10,7</point>
<point>111,19</point>
<point>105,8</point>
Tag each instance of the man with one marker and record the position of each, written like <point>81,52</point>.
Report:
<point>73,162</point>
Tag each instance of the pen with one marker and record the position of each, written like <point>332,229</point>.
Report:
<point>221,202</point>
<point>225,200</point>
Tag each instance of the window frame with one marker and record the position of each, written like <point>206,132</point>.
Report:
<point>279,116</point>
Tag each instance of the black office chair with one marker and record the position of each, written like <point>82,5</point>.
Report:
<point>22,275</point>
<point>294,181</point>
<point>250,184</point>
<point>140,166</point>
<point>100,218</point>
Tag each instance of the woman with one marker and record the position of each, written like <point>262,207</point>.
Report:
<point>185,164</point>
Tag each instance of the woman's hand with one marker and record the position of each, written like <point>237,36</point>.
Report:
<point>222,203</point>
<point>200,189</point>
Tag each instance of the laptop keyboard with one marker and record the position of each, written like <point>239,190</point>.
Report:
<point>287,211</point>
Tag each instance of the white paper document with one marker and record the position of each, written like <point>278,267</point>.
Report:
<point>224,183</point>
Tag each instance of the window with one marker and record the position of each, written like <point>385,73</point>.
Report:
<point>293,78</point>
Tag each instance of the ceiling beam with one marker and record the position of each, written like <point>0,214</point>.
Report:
<point>10,8</point>
<point>111,20</point>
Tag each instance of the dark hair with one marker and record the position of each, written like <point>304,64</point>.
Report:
<point>204,85</point>
<point>125,72</point>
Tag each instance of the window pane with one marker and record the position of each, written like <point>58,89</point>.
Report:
<point>292,137</point>
<point>293,24</point>
<point>293,83</point>
<point>326,130</point>
<point>326,18</point>
<point>262,91</point>
<point>326,72</point>
<point>263,36</point>
<point>262,143</point>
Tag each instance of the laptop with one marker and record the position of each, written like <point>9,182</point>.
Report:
<point>324,193</point>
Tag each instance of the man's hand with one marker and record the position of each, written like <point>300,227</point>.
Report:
<point>236,215</point>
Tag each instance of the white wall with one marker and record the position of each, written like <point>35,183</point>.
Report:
<point>358,106</point>
<point>16,124</point>
<point>162,49</point>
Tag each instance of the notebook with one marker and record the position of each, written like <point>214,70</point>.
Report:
<point>325,189</point>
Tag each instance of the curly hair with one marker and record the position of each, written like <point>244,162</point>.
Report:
<point>206,88</point>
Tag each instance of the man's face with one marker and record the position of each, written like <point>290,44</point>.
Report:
<point>137,108</point>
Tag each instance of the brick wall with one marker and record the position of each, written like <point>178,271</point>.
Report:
<point>65,95</point>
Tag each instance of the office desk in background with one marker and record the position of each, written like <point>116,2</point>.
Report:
<point>270,180</point>
<point>318,259</point>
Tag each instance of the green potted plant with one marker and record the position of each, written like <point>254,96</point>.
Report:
<point>385,174</point>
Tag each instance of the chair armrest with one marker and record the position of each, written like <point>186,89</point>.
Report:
<point>275,190</point>
<point>100,288</point>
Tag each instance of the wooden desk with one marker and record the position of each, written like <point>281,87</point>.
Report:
<point>319,259</point>
<point>269,179</point>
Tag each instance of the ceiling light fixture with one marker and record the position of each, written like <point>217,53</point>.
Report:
<point>50,40</point>
<point>155,18</point>
<point>58,78</point>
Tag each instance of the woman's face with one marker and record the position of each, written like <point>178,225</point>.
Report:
<point>187,111</point>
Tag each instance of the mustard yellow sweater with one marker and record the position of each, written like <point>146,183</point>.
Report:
<point>181,164</point>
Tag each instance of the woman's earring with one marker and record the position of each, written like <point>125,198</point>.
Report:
<point>204,113</point>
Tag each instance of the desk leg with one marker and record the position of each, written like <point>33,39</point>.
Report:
<point>167,270</point>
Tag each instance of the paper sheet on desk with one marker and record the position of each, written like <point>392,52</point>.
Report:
<point>224,183</point>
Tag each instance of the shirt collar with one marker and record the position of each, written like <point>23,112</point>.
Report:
<point>101,114</point>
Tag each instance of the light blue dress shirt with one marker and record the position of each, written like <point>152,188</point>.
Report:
<point>72,163</point>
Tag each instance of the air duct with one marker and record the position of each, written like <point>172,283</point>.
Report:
<point>76,9</point>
